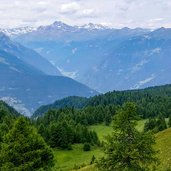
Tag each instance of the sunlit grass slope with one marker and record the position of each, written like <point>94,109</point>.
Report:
<point>66,160</point>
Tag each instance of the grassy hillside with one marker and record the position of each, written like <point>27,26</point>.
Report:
<point>89,168</point>
<point>66,160</point>
<point>163,144</point>
<point>103,130</point>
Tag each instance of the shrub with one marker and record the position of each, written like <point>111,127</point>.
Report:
<point>86,147</point>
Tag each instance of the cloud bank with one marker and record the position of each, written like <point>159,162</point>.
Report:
<point>116,13</point>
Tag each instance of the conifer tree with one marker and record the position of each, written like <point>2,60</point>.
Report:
<point>127,149</point>
<point>24,149</point>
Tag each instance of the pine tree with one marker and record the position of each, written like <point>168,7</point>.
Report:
<point>127,149</point>
<point>24,149</point>
<point>61,135</point>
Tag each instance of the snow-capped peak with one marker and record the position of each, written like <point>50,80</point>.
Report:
<point>57,25</point>
<point>92,26</point>
<point>17,31</point>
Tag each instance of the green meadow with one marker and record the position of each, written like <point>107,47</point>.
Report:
<point>66,160</point>
<point>69,160</point>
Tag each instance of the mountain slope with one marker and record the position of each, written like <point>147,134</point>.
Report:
<point>78,52</point>
<point>27,88</point>
<point>139,62</point>
<point>27,55</point>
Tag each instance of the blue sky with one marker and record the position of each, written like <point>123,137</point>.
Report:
<point>115,13</point>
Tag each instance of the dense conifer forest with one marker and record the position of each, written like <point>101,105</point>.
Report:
<point>66,122</point>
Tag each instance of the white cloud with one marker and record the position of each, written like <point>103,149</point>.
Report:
<point>70,7</point>
<point>119,13</point>
<point>77,10</point>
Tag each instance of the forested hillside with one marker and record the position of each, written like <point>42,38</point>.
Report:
<point>7,117</point>
<point>8,109</point>
<point>151,101</point>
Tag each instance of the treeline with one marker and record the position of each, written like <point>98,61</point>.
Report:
<point>62,127</point>
<point>157,124</point>
<point>151,101</point>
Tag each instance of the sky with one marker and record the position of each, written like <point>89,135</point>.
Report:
<point>113,13</point>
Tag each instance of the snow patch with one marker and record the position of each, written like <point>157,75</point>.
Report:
<point>14,69</point>
<point>74,50</point>
<point>143,82</point>
<point>17,31</point>
<point>155,51</point>
<point>138,66</point>
<point>71,74</point>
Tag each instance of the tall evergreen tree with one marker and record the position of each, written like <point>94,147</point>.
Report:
<point>24,149</point>
<point>127,149</point>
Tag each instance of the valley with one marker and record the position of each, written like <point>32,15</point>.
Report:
<point>85,85</point>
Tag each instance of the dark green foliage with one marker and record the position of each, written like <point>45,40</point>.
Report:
<point>161,123</point>
<point>24,149</point>
<point>127,149</point>
<point>74,101</point>
<point>86,116</point>
<point>69,147</point>
<point>64,127</point>
<point>151,102</point>
<point>86,147</point>
<point>7,117</point>
<point>150,124</point>
<point>93,159</point>
<point>43,131</point>
<point>155,125</point>
<point>61,135</point>
<point>169,123</point>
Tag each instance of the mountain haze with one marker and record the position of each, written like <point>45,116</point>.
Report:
<point>105,58</point>
<point>26,87</point>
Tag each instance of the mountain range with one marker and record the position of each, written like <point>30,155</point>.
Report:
<point>40,65</point>
<point>25,82</point>
<point>104,58</point>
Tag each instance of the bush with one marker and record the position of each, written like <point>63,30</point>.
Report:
<point>86,147</point>
<point>69,147</point>
<point>93,159</point>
